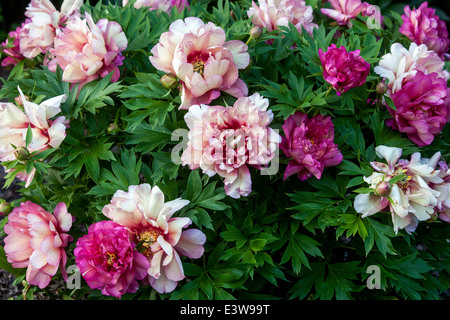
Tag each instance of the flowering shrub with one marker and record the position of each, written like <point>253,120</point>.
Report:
<point>272,149</point>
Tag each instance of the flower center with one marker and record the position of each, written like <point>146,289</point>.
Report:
<point>111,258</point>
<point>199,66</point>
<point>197,59</point>
<point>145,241</point>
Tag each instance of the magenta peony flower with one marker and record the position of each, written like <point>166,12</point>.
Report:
<point>271,14</point>
<point>12,50</point>
<point>109,261</point>
<point>423,107</point>
<point>343,70</point>
<point>36,241</point>
<point>86,51</point>
<point>345,10</point>
<point>224,140</point>
<point>165,5</point>
<point>199,56</point>
<point>308,143</point>
<point>158,236</point>
<point>422,25</point>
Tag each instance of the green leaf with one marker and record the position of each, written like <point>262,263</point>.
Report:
<point>29,136</point>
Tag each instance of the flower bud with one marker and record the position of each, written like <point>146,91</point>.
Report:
<point>22,153</point>
<point>19,101</point>
<point>382,88</point>
<point>112,127</point>
<point>169,81</point>
<point>5,208</point>
<point>256,32</point>
<point>383,188</point>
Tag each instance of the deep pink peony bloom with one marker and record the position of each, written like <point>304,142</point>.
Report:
<point>271,14</point>
<point>12,50</point>
<point>423,107</point>
<point>165,5</point>
<point>345,10</point>
<point>199,56</point>
<point>224,140</point>
<point>36,241</point>
<point>159,237</point>
<point>308,143</point>
<point>86,51</point>
<point>423,26</point>
<point>343,70</point>
<point>108,260</point>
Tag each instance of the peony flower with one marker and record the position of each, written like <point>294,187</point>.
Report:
<point>343,70</point>
<point>401,64</point>
<point>86,51</point>
<point>272,14</point>
<point>165,5</point>
<point>423,107</point>
<point>39,31</point>
<point>199,56</point>
<point>309,145</point>
<point>12,50</point>
<point>401,186</point>
<point>423,26</point>
<point>345,10</point>
<point>109,261</point>
<point>46,133</point>
<point>158,236</point>
<point>36,240</point>
<point>224,140</point>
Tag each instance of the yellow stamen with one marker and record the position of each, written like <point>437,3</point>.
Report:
<point>199,66</point>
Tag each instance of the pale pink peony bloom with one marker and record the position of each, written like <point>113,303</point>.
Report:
<point>345,10</point>
<point>46,133</point>
<point>39,31</point>
<point>422,107</point>
<point>109,261</point>
<point>343,70</point>
<point>199,56</point>
<point>36,241</point>
<point>165,5</point>
<point>308,143</point>
<point>272,14</point>
<point>409,199</point>
<point>12,50</point>
<point>86,51</point>
<point>224,140</point>
<point>423,26</point>
<point>401,64</point>
<point>158,236</point>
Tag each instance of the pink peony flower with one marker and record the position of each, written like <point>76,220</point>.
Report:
<point>345,10</point>
<point>422,25</point>
<point>46,133</point>
<point>309,145</point>
<point>343,70</point>
<point>199,56</point>
<point>12,50</point>
<point>39,31</point>
<point>409,199</point>
<point>224,140</point>
<point>165,5</point>
<point>109,261</point>
<point>36,241</point>
<point>271,14</point>
<point>85,50</point>
<point>158,236</point>
<point>423,107</point>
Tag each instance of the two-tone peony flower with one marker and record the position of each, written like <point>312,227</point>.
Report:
<point>86,50</point>
<point>165,5</point>
<point>109,261</point>
<point>46,133</point>
<point>308,143</point>
<point>198,55</point>
<point>39,31</point>
<point>423,26</point>
<point>224,140</point>
<point>402,186</point>
<point>36,240</point>
<point>342,69</point>
<point>345,10</point>
<point>418,87</point>
<point>157,235</point>
<point>272,14</point>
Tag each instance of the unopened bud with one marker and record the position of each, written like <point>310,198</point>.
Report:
<point>22,153</point>
<point>5,208</point>
<point>256,32</point>
<point>112,127</point>
<point>19,101</point>
<point>233,15</point>
<point>383,188</point>
<point>382,88</point>
<point>169,81</point>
